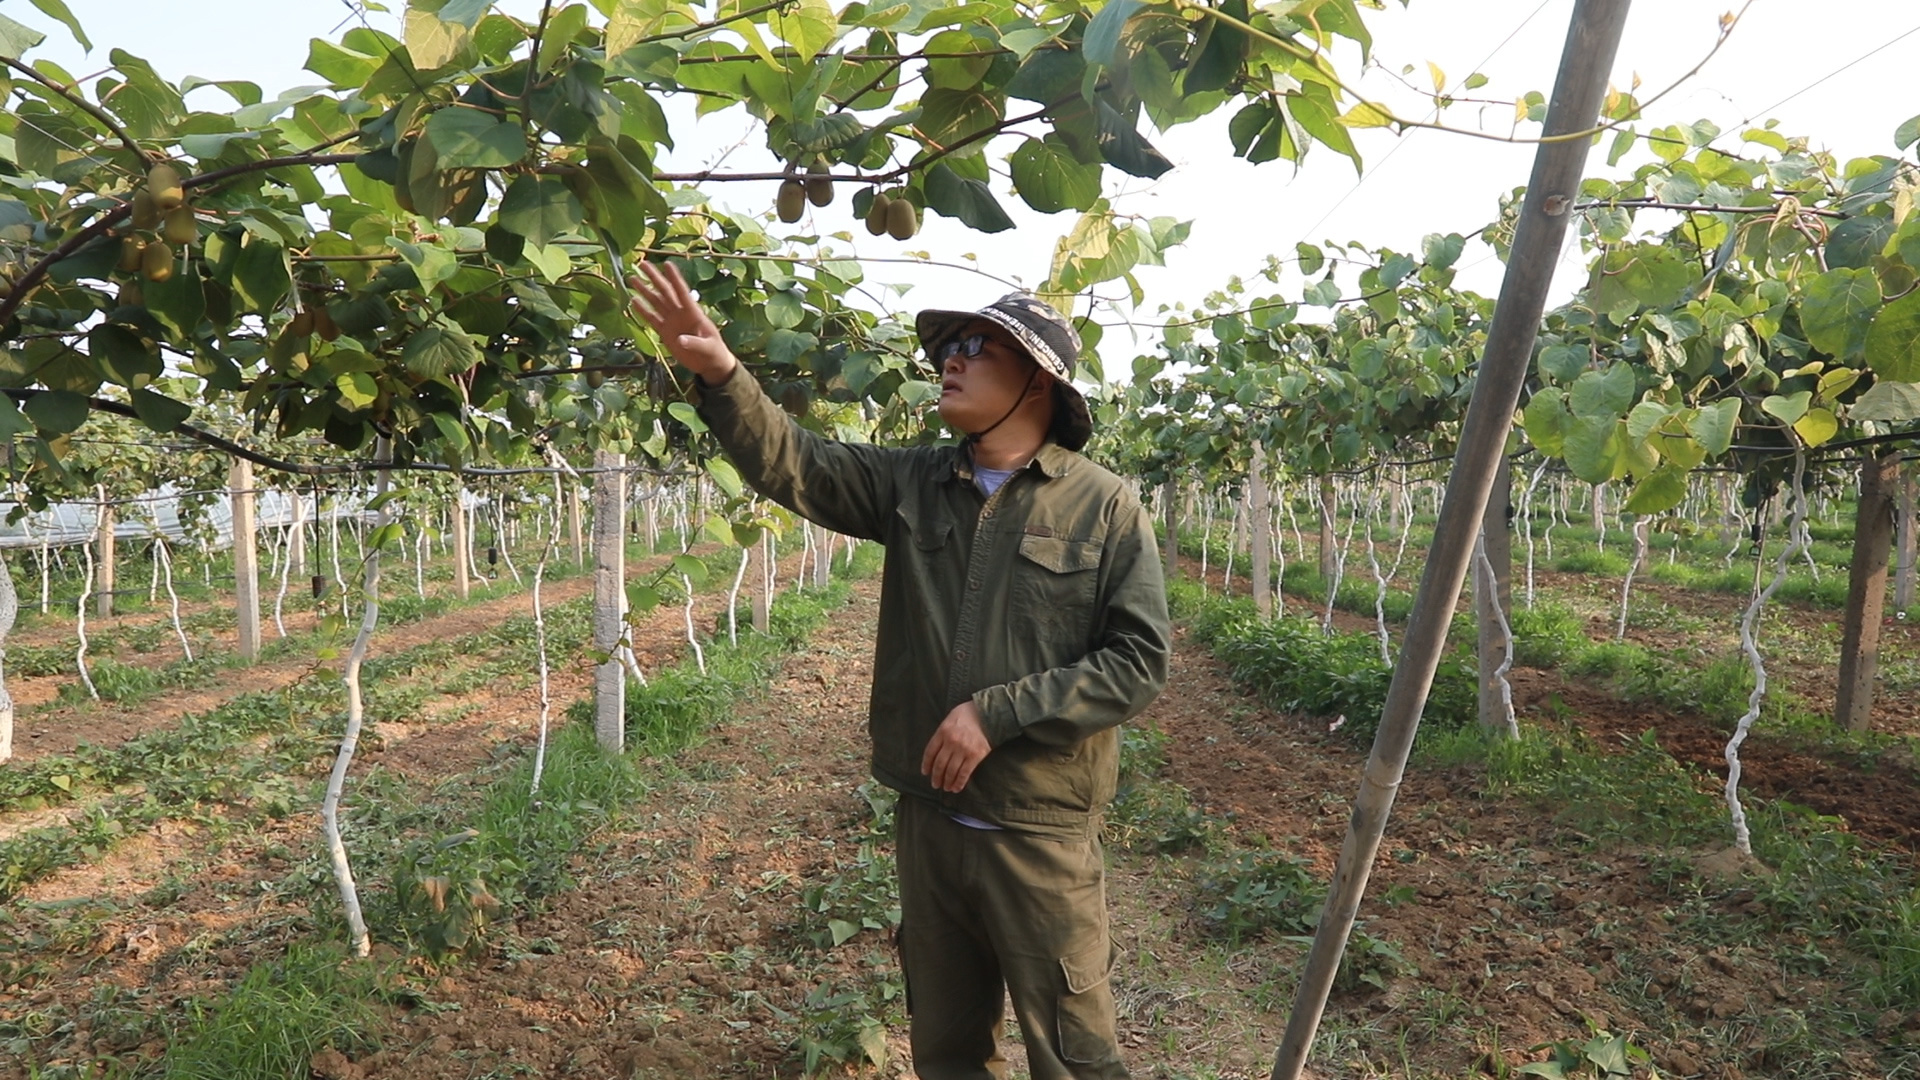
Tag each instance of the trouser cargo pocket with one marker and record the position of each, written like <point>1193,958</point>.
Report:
<point>1086,1017</point>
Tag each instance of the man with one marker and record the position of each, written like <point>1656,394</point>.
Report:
<point>1022,618</point>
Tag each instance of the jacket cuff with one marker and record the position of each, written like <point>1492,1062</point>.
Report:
<point>998,718</point>
<point>730,397</point>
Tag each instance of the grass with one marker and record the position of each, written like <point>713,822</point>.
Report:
<point>1294,667</point>
<point>282,1013</point>
<point>1830,896</point>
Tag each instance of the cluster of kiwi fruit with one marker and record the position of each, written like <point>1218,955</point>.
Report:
<point>890,215</point>
<point>160,207</point>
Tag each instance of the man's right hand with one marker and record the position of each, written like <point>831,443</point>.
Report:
<point>662,298</point>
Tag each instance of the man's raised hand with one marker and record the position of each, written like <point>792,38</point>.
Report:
<point>662,298</point>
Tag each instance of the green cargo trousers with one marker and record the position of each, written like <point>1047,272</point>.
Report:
<point>984,909</point>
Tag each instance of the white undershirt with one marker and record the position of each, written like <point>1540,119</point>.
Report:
<point>989,480</point>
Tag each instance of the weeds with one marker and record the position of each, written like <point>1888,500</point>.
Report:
<point>279,1016</point>
<point>1296,668</point>
<point>1149,814</point>
<point>1547,635</point>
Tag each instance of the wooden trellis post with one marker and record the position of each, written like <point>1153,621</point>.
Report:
<point>1329,530</point>
<point>1866,591</point>
<point>246,561</point>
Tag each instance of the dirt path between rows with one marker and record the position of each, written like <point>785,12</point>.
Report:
<point>60,729</point>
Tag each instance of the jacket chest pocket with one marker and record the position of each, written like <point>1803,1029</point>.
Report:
<point>1055,585</point>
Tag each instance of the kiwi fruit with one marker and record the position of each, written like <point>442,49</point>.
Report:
<point>596,379</point>
<point>323,324</point>
<point>130,249</point>
<point>902,222</point>
<point>156,262</point>
<point>144,214</point>
<point>792,201</point>
<point>819,186</point>
<point>301,325</point>
<point>877,215</point>
<point>132,295</point>
<point>163,185</point>
<point>179,228</point>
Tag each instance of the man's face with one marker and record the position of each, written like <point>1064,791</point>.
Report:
<point>976,391</point>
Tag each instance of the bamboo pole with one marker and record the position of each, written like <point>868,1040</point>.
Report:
<point>1587,57</point>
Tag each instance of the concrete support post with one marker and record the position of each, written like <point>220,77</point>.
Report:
<point>246,558</point>
<point>609,598</point>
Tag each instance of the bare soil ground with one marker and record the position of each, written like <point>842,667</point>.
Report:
<point>679,953</point>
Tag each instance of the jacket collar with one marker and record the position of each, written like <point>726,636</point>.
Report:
<point>1053,460</point>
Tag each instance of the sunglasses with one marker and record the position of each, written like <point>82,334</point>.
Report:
<point>968,346</point>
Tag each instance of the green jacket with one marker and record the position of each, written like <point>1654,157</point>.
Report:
<point>1044,604</point>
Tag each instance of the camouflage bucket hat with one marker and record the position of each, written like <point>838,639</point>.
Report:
<point>1047,337</point>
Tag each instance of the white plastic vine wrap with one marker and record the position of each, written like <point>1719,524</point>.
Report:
<point>1742,838</point>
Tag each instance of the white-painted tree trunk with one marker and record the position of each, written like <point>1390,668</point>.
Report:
<point>1526,523</point>
<point>733,596</point>
<point>164,559</point>
<point>699,654</point>
<point>500,537</point>
<point>540,635</point>
<point>1633,567</point>
<point>1379,596</point>
<point>333,543</point>
<point>358,939</point>
<point>1339,559</point>
<point>1483,578</point>
<point>80,623</point>
<point>1749,622</point>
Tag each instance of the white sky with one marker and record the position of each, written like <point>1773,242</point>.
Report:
<point>1415,184</point>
